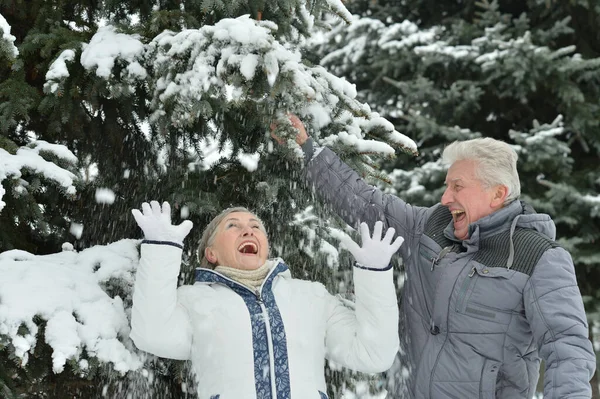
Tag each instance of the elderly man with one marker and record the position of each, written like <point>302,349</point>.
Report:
<point>489,293</point>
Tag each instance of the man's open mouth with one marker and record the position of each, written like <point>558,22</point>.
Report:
<point>458,215</point>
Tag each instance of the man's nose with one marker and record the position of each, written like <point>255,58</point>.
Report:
<point>446,197</point>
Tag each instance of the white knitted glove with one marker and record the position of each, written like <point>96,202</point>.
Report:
<point>375,252</point>
<point>156,223</point>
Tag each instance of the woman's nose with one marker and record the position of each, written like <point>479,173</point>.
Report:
<point>247,231</point>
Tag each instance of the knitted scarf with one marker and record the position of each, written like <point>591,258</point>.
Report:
<point>250,278</point>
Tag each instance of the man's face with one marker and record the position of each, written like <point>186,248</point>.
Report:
<point>467,198</point>
<point>240,242</point>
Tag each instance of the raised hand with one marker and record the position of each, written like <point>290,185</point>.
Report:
<point>155,222</point>
<point>375,252</point>
<point>301,135</point>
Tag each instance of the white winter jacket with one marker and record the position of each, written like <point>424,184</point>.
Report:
<point>267,345</point>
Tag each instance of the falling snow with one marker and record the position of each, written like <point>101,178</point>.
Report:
<point>105,196</point>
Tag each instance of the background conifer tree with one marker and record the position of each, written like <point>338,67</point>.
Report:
<point>144,95</point>
<point>521,71</point>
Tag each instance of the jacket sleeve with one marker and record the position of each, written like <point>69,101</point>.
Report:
<point>554,308</point>
<point>159,323</point>
<point>364,337</point>
<point>355,201</point>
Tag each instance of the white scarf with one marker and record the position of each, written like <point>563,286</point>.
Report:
<point>250,278</point>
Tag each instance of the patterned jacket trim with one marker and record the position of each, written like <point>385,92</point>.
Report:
<point>268,333</point>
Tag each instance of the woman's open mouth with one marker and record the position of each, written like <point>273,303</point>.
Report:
<point>248,247</point>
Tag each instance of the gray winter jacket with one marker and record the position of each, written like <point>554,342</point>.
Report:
<point>479,313</point>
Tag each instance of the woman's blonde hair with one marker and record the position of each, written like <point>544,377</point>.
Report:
<point>210,232</point>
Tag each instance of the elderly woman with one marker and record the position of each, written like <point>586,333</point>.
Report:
<point>249,328</point>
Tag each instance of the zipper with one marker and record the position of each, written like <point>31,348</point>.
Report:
<point>269,344</point>
<point>423,292</point>
<point>265,314</point>
<point>463,289</point>
<point>430,374</point>
<point>443,252</point>
<point>434,261</point>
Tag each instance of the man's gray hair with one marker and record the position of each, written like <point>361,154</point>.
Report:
<point>496,162</point>
<point>210,232</point>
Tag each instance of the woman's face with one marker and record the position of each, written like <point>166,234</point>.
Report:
<point>240,242</point>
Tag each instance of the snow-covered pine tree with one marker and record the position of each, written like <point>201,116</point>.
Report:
<point>521,71</point>
<point>40,173</point>
<point>170,100</point>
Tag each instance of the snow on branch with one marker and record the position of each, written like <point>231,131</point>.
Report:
<point>58,70</point>
<point>543,146</point>
<point>406,34</point>
<point>542,136</point>
<point>196,74</point>
<point>487,51</point>
<point>340,9</point>
<point>197,63</point>
<point>565,193</point>
<point>227,61</point>
<point>7,40</point>
<point>71,292</point>
<point>30,158</point>
<point>494,48</point>
<point>107,47</point>
<point>358,41</point>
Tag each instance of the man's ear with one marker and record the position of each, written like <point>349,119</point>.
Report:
<point>210,255</point>
<point>500,194</point>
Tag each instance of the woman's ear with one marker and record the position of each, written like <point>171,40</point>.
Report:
<point>210,255</point>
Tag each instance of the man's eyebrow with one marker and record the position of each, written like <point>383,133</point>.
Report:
<point>453,180</point>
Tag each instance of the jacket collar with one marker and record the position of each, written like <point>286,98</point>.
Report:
<point>492,224</point>
<point>207,276</point>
